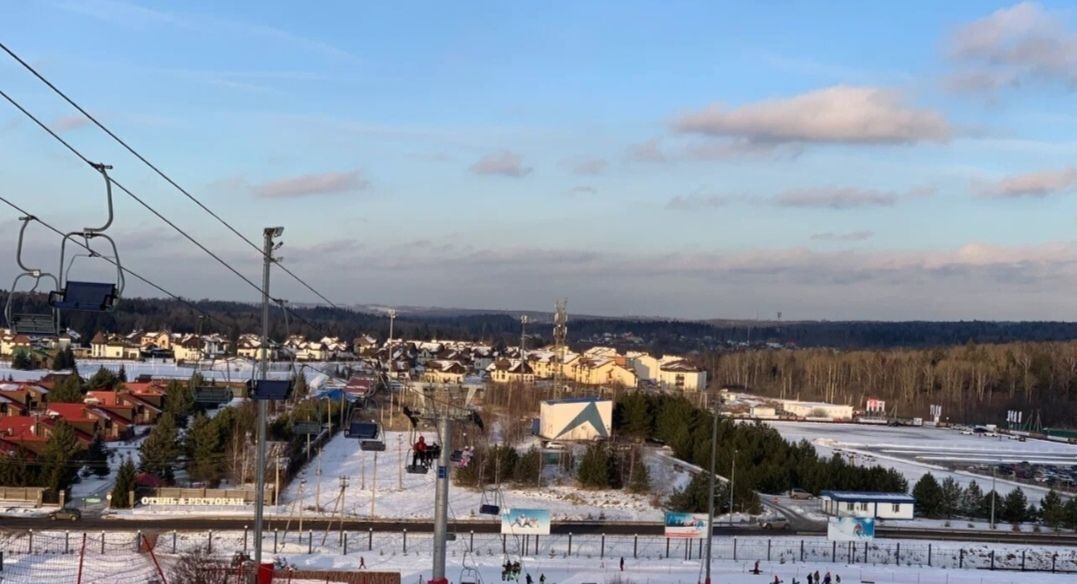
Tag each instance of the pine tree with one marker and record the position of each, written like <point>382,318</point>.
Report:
<point>204,450</point>
<point>22,360</point>
<point>1014,506</point>
<point>985,508</point>
<point>1071,513</point>
<point>121,377</point>
<point>639,480</point>
<point>179,400</point>
<point>160,449</point>
<point>103,379</point>
<point>928,496</point>
<point>528,467</point>
<point>593,472</point>
<point>14,472</point>
<point>67,390</point>
<point>636,419</point>
<point>693,497</point>
<point>97,457</point>
<point>950,503</point>
<point>125,483</point>
<point>972,500</point>
<point>1052,510</point>
<point>58,459</point>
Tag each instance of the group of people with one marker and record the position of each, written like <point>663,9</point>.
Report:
<point>510,571</point>
<point>812,578</point>
<point>424,454</point>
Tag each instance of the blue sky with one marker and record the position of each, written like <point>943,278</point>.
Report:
<point>690,159</point>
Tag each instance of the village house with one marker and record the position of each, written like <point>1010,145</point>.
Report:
<point>364,344</point>
<point>682,375</point>
<point>444,372</point>
<point>249,346</point>
<point>10,343</point>
<point>600,371</point>
<point>113,346</point>
<point>511,371</point>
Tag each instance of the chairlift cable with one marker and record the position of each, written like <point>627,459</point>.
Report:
<point>159,172</point>
<point>127,270</point>
<point>138,199</point>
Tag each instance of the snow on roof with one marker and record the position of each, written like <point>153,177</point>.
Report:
<point>865,497</point>
<point>573,400</point>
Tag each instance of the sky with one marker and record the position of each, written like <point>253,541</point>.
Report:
<point>826,160</point>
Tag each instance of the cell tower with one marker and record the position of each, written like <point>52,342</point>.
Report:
<point>560,340</point>
<point>523,336</point>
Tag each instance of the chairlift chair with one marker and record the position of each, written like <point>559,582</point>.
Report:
<point>35,324</point>
<point>491,501</point>
<point>82,295</point>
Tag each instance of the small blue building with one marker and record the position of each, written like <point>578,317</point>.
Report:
<point>862,504</point>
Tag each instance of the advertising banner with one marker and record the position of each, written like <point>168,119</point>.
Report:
<point>686,525</point>
<point>526,522</point>
<point>850,529</point>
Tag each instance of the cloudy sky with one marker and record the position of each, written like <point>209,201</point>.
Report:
<point>829,160</point>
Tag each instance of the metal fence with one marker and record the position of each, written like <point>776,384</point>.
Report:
<point>783,550</point>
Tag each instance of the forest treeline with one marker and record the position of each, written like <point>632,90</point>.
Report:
<point>974,383</point>
<point>658,335</point>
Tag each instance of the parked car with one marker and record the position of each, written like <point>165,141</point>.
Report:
<point>799,494</point>
<point>67,514</point>
<point>775,523</point>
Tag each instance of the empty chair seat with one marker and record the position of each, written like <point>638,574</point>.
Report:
<point>33,324</point>
<point>417,469</point>
<point>363,430</point>
<point>88,296</point>
<point>372,445</point>
<point>488,509</point>
<point>271,389</point>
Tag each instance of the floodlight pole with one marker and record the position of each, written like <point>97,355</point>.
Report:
<point>710,491</point>
<point>260,466</point>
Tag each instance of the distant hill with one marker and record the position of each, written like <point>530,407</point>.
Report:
<point>500,326</point>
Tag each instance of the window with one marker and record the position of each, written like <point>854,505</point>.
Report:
<point>863,506</point>
<point>849,506</point>
<point>897,508</point>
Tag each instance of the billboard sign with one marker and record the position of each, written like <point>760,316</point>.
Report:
<point>526,522</point>
<point>686,525</point>
<point>851,529</point>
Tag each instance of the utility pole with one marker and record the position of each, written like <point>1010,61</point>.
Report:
<point>400,467</point>
<point>732,479</point>
<point>302,483</point>
<point>710,498</point>
<point>994,495</point>
<point>441,499</point>
<point>260,468</point>
<point>374,485</point>
<point>276,481</point>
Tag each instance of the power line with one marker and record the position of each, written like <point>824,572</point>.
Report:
<point>159,172</point>
<point>127,270</point>
<point>138,199</point>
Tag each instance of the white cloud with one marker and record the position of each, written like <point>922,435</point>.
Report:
<point>311,184</point>
<point>1011,47</point>
<point>831,236</point>
<point>503,163</point>
<point>586,166</point>
<point>696,202</point>
<point>648,151</point>
<point>837,198</point>
<point>1038,184</point>
<point>68,123</point>
<point>840,114</point>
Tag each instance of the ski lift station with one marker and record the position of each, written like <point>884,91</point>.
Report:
<point>576,419</point>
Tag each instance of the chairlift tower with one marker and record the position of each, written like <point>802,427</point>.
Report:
<point>447,405</point>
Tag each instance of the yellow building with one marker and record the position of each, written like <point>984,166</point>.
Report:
<point>511,371</point>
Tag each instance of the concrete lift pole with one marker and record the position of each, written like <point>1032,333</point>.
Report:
<point>441,499</point>
<point>260,466</point>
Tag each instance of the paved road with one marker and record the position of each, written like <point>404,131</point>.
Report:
<point>235,524</point>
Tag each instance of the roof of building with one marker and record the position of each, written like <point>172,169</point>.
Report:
<point>680,366</point>
<point>865,497</point>
<point>573,400</point>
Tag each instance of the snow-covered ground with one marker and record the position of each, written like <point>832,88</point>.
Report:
<point>914,451</point>
<point>399,494</point>
<point>585,559</point>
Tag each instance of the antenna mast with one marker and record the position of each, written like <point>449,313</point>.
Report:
<point>560,340</point>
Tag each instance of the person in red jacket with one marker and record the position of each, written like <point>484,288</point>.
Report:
<point>419,454</point>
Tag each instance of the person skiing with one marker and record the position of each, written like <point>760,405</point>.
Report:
<point>826,579</point>
<point>419,457</point>
<point>362,563</point>
<point>542,578</point>
<point>810,581</point>
<point>622,563</point>
<point>528,578</point>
